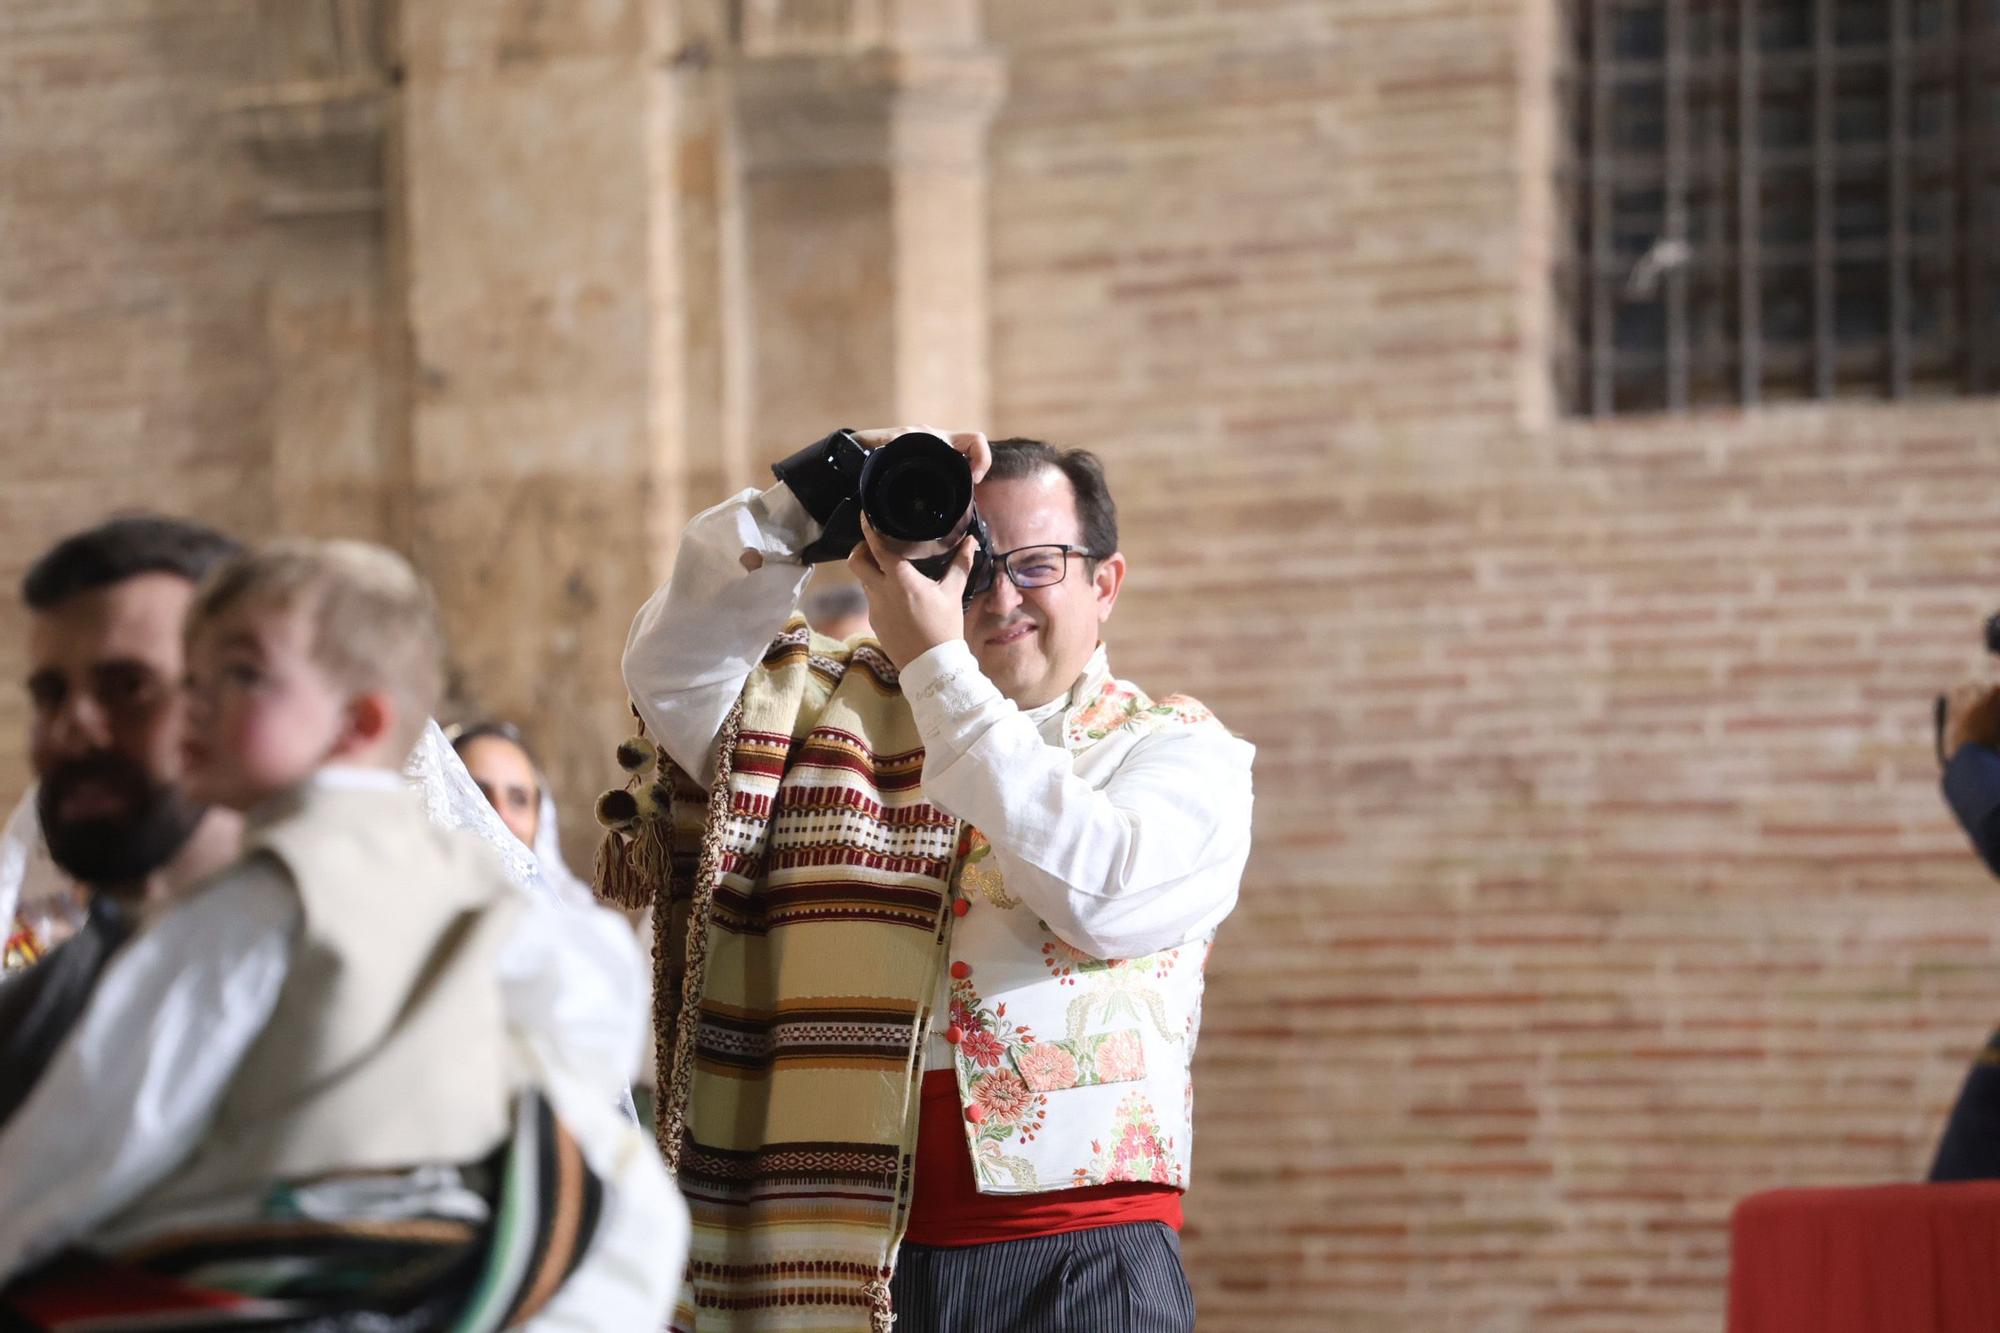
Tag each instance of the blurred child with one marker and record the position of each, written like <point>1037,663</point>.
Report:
<point>353,1082</point>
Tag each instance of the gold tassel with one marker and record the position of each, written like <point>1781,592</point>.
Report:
<point>648,855</point>
<point>615,879</point>
<point>634,854</point>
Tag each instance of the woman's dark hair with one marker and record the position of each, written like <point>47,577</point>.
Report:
<point>1096,515</point>
<point>121,548</point>
<point>460,737</point>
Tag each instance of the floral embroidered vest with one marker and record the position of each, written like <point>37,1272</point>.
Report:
<point>1071,1070</point>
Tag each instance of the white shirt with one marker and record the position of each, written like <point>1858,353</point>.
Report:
<point>33,892</point>
<point>20,843</point>
<point>133,1087</point>
<point>1122,850</point>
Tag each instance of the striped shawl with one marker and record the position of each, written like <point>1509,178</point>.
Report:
<point>798,949</point>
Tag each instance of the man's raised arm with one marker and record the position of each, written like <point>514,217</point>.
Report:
<point>736,578</point>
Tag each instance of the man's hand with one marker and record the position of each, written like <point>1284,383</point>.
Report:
<point>971,443</point>
<point>911,615</point>
<point>1971,716</point>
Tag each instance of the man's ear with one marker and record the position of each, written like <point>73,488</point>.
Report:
<point>1107,579</point>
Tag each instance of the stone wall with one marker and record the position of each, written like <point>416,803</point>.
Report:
<point>131,289</point>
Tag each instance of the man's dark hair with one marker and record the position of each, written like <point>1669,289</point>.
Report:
<point>121,548</point>
<point>1096,515</point>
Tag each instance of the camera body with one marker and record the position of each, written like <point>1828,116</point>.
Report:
<point>916,491</point>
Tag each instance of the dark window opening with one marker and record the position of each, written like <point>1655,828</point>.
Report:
<point>1768,200</point>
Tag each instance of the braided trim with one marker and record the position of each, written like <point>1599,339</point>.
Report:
<point>674,1031</point>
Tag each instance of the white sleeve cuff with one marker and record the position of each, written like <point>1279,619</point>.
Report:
<point>779,526</point>
<point>946,683</point>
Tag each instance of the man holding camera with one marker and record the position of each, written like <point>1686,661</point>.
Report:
<point>933,981</point>
<point>1968,741</point>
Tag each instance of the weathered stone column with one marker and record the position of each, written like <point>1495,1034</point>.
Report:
<point>862,138</point>
<point>312,118</point>
<point>548,277</point>
<point>533,193</point>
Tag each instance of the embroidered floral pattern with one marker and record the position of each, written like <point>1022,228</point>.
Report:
<point>1004,1098</point>
<point>1066,961</point>
<point>1048,1066</point>
<point>1002,1108</point>
<point>979,877</point>
<point>1123,992</point>
<point>1137,1153</point>
<point>1120,1057</point>
<point>981,1047</point>
<point>1121,704</point>
<point>1082,1062</point>
<point>1119,1026</point>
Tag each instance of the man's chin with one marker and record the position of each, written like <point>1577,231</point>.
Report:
<point>104,852</point>
<point>1003,668</point>
<point>1025,689</point>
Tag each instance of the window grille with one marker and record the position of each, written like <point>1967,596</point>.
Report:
<point>1767,200</point>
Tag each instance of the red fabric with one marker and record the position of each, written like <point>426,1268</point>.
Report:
<point>948,1208</point>
<point>81,1287</point>
<point>1884,1259</point>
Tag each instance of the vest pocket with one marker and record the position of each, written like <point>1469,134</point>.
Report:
<point>1081,1062</point>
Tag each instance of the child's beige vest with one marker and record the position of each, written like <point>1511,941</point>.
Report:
<point>388,1048</point>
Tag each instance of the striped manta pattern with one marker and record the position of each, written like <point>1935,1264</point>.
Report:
<point>801,941</point>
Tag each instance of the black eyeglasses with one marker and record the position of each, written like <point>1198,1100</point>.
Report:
<point>1040,566</point>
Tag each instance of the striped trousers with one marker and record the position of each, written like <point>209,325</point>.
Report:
<point>1116,1279</point>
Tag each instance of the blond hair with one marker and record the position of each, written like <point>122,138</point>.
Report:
<point>374,622</point>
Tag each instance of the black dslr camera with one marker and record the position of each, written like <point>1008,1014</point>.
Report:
<point>916,491</point>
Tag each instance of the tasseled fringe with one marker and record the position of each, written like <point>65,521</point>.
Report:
<point>634,857</point>
<point>881,1312</point>
<point>625,874</point>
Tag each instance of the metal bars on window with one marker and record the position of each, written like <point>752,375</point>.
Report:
<point>1771,200</point>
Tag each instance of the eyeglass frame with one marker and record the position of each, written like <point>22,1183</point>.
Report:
<point>1002,560</point>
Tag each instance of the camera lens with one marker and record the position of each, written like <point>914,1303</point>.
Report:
<point>916,488</point>
<point>912,501</point>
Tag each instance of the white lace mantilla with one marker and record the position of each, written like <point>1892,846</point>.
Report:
<point>451,799</point>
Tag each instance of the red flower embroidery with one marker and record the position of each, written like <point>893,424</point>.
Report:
<point>981,1047</point>
<point>1005,1098</point>
<point>1138,1156</point>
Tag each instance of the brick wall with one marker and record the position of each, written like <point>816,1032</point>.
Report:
<point>1601,876</point>
<point>130,317</point>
